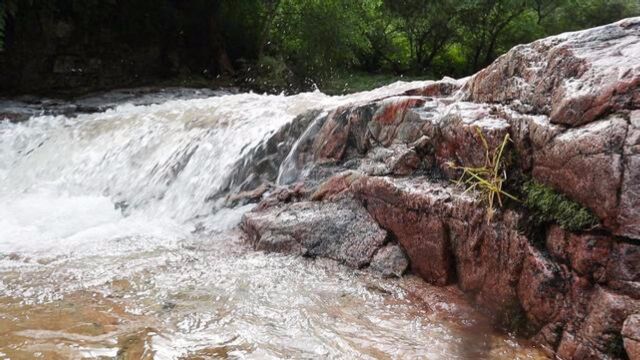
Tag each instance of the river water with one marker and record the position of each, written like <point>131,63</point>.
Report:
<point>111,247</point>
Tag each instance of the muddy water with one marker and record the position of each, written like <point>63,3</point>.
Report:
<point>109,249</point>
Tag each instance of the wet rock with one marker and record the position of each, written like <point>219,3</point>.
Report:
<point>631,336</point>
<point>404,161</point>
<point>629,215</point>
<point>331,142</point>
<point>569,103</point>
<point>391,113</point>
<point>413,221</point>
<point>489,256</point>
<point>464,128</point>
<point>342,230</point>
<point>541,289</point>
<point>398,159</point>
<point>445,234</point>
<point>283,195</point>
<point>574,77</point>
<point>586,164</point>
<point>623,269</point>
<point>335,186</point>
<point>262,164</point>
<point>390,261</point>
<point>598,335</point>
<point>245,197</point>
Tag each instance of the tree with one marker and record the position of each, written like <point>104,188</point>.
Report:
<point>8,9</point>
<point>482,23</point>
<point>427,25</point>
<point>317,35</point>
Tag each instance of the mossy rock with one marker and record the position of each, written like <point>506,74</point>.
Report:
<point>549,206</point>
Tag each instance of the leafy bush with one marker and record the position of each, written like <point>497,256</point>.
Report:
<point>549,206</point>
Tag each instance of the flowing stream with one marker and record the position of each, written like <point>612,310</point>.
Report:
<point>112,247</point>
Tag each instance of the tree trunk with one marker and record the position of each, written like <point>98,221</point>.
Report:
<point>221,63</point>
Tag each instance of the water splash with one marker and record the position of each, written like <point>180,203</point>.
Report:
<point>99,255</point>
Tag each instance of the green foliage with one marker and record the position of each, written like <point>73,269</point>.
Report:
<point>489,178</point>
<point>549,206</point>
<point>7,8</point>
<point>318,36</point>
<point>317,40</point>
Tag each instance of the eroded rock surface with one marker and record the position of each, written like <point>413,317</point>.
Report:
<point>377,173</point>
<point>390,261</point>
<point>574,78</point>
<point>631,333</point>
<point>342,230</point>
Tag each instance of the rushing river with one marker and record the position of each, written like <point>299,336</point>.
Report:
<point>111,247</point>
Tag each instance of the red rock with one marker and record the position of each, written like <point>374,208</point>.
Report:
<point>442,88</point>
<point>556,242</point>
<point>631,335</point>
<point>541,289</point>
<point>629,215</point>
<point>404,161</point>
<point>570,104</point>
<point>331,141</point>
<point>607,314</point>
<point>387,118</point>
<point>489,257</point>
<point>587,254</point>
<point>460,141</point>
<point>571,77</point>
<point>623,269</point>
<point>421,233</point>
<point>586,164</point>
<point>442,230</point>
<point>336,185</point>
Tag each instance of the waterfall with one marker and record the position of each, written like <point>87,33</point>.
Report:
<point>62,176</point>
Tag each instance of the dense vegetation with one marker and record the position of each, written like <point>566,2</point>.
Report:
<point>283,43</point>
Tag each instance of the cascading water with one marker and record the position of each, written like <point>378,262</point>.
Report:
<point>99,253</point>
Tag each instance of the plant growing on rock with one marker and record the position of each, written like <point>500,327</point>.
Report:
<point>489,178</point>
<point>548,206</point>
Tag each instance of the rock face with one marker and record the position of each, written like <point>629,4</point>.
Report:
<point>631,333</point>
<point>575,78</point>
<point>390,261</point>
<point>364,175</point>
<point>342,231</point>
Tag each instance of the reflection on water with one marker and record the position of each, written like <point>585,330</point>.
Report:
<point>213,298</point>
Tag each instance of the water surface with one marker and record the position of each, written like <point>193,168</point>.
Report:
<point>111,247</point>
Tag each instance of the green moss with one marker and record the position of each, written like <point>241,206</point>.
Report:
<point>549,206</point>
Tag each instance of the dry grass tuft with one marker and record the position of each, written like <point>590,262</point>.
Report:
<point>489,178</point>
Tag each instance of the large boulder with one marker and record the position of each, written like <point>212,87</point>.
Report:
<point>341,230</point>
<point>575,78</point>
